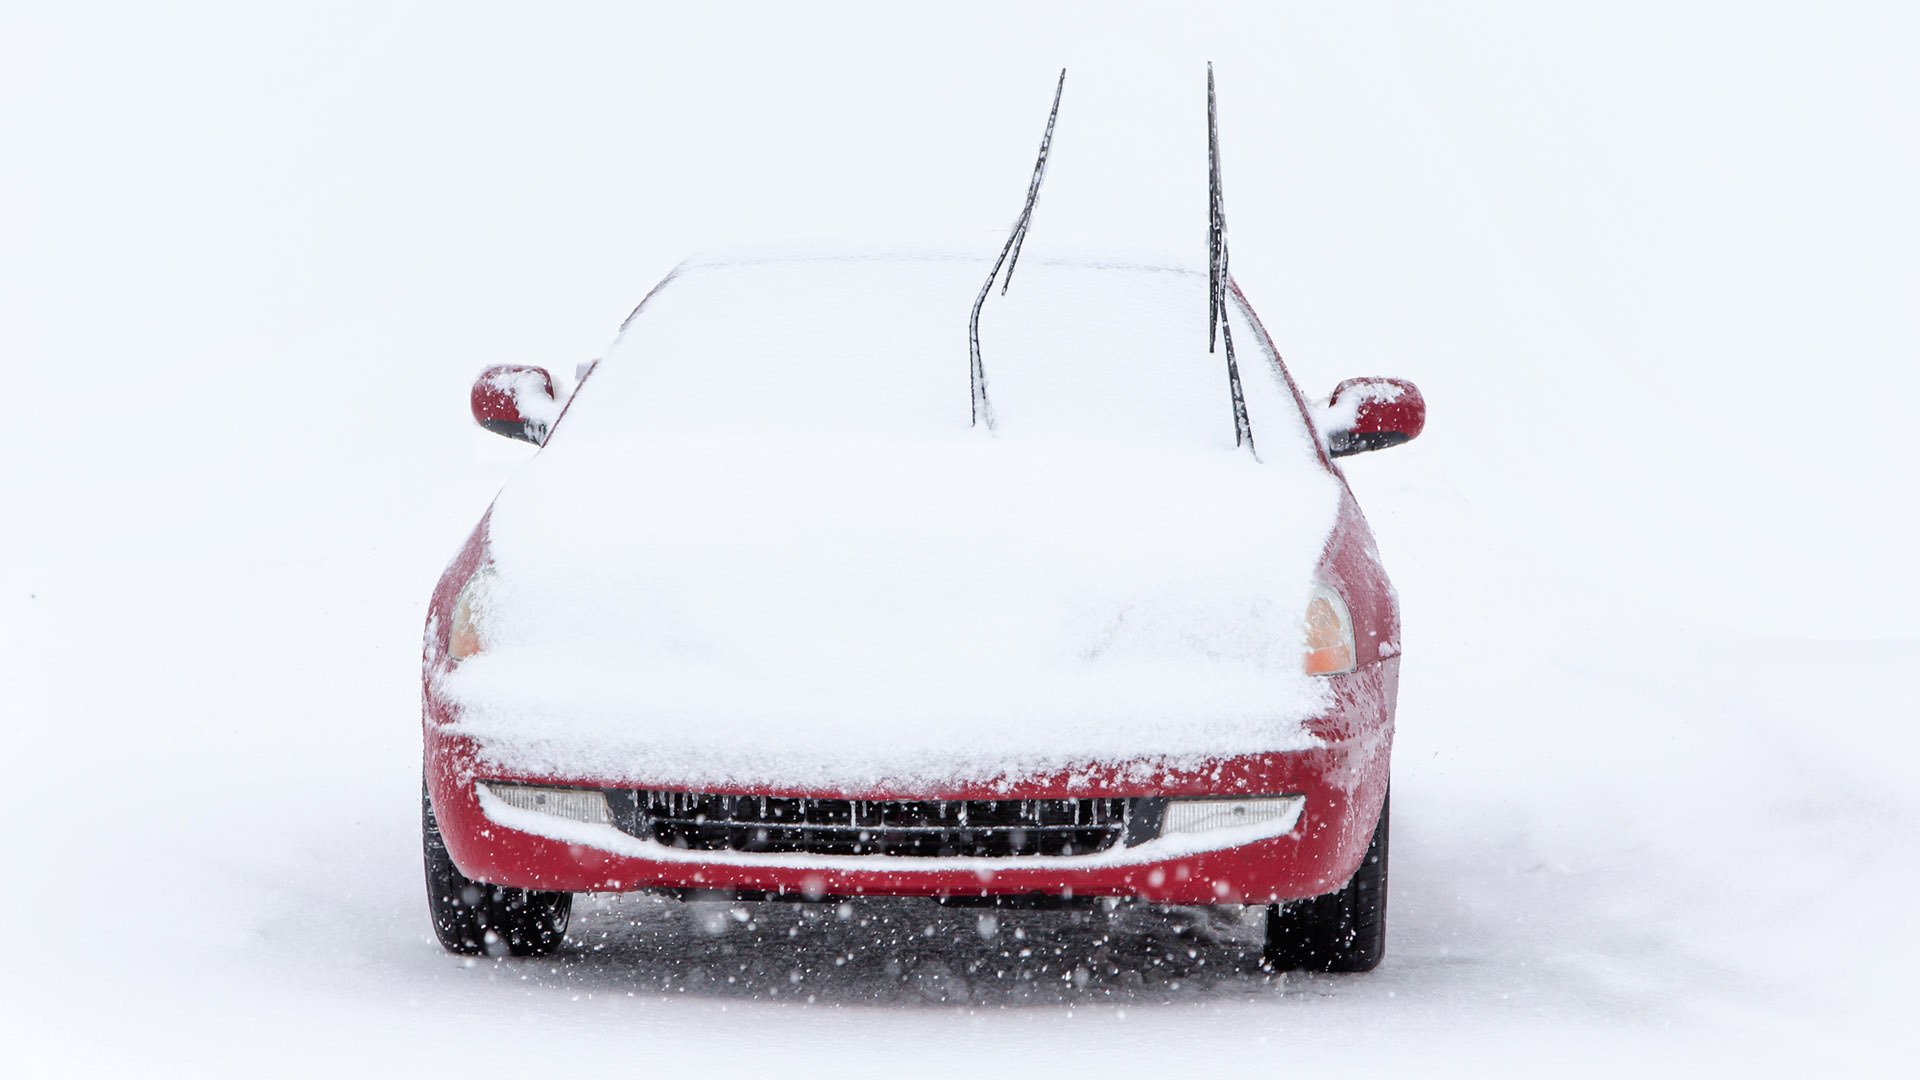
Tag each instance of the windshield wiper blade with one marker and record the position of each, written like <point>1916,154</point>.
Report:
<point>1009,257</point>
<point>1217,274</point>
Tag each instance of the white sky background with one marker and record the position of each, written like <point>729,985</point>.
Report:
<point>1654,266</point>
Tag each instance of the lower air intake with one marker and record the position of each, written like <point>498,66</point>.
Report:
<point>990,828</point>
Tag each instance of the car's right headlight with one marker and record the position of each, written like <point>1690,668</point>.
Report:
<point>464,636</point>
<point>1329,648</point>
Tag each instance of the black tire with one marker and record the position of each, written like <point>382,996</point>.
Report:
<point>1341,931</point>
<point>473,918</point>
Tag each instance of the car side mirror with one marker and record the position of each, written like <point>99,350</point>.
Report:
<point>1372,414</point>
<point>516,401</point>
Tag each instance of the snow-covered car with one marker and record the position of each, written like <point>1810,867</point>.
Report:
<point>788,605</point>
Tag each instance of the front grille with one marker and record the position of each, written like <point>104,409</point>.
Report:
<point>991,828</point>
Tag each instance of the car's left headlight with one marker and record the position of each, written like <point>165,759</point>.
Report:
<point>469,609</point>
<point>1329,647</point>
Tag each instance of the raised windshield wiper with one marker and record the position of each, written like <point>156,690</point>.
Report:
<point>1217,274</point>
<point>1009,256</point>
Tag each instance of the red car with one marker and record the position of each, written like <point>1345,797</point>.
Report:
<point>777,611</point>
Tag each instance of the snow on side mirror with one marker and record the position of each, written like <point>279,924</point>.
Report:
<point>516,401</point>
<point>1371,414</point>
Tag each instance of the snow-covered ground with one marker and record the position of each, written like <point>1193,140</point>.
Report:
<point>1655,773</point>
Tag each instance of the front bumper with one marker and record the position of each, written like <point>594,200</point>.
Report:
<point>494,842</point>
<point>1343,782</point>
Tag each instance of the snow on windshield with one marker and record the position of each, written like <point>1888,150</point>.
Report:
<point>766,547</point>
<point>842,347</point>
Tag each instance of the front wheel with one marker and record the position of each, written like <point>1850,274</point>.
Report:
<point>1341,931</point>
<point>472,917</point>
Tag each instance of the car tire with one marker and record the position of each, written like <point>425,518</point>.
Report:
<point>1341,931</point>
<point>473,918</point>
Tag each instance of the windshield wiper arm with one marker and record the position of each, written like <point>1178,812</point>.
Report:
<point>1217,274</point>
<point>1009,257</point>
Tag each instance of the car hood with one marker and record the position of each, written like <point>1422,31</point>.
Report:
<point>832,614</point>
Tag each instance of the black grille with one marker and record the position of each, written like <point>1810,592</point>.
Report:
<point>763,823</point>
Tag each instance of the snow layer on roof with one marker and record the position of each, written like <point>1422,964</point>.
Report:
<point>764,546</point>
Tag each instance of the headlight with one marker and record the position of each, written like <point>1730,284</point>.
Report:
<point>469,608</point>
<point>1329,648</point>
<point>1280,813</point>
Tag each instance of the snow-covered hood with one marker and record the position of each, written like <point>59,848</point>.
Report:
<point>957,611</point>
<point>838,611</point>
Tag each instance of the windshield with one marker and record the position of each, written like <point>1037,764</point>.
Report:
<point>817,348</point>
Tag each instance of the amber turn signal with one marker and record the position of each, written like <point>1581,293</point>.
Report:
<point>1329,649</point>
<point>463,636</point>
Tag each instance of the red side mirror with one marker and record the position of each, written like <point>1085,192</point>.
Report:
<point>1372,414</point>
<point>516,401</point>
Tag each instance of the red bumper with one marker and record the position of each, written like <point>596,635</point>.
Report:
<point>1343,782</point>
